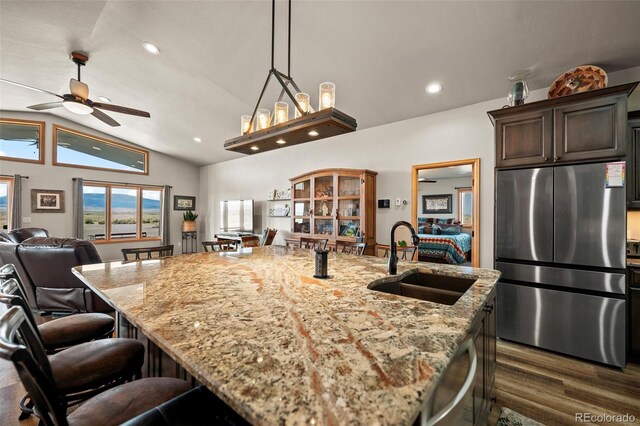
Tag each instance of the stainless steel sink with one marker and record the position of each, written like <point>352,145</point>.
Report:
<point>435,288</point>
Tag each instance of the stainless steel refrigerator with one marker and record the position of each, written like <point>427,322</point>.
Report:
<point>560,237</point>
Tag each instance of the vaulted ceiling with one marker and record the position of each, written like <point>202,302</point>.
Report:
<point>215,56</point>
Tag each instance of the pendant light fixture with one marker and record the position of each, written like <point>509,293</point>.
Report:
<point>263,131</point>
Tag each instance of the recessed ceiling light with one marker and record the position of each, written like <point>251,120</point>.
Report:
<point>64,143</point>
<point>313,133</point>
<point>96,148</point>
<point>254,148</point>
<point>281,141</point>
<point>434,88</point>
<point>140,162</point>
<point>151,48</point>
<point>103,99</point>
<point>197,139</point>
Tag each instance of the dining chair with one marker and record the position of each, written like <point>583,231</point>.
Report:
<point>220,245</point>
<point>250,241</point>
<point>163,251</point>
<point>404,253</point>
<point>313,243</point>
<point>351,247</point>
<point>269,237</point>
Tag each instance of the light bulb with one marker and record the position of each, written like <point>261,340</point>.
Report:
<point>77,107</point>
<point>263,118</point>
<point>326,100</point>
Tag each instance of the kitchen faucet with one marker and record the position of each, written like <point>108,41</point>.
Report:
<point>393,255</point>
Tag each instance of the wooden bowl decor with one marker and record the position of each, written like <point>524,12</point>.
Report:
<point>578,80</point>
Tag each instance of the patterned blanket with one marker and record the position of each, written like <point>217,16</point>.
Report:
<point>444,248</point>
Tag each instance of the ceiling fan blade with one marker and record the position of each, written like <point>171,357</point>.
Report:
<point>105,118</point>
<point>48,105</point>
<point>79,89</point>
<point>121,109</point>
<point>30,87</point>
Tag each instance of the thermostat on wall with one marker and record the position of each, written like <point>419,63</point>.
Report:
<point>384,204</point>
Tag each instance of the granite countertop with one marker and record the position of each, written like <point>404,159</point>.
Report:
<point>281,347</point>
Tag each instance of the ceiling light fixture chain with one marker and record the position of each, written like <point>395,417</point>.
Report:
<point>283,79</point>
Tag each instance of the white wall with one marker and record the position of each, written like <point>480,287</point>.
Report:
<point>390,150</point>
<point>442,186</point>
<point>183,176</point>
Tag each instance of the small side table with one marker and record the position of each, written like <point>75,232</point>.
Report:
<point>189,242</point>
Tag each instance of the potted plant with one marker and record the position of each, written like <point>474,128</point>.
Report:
<point>189,224</point>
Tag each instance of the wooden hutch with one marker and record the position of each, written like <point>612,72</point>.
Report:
<point>337,204</point>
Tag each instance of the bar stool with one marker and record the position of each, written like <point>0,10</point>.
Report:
<point>83,370</point>
<point>62,332</point>
<point>38,376</point>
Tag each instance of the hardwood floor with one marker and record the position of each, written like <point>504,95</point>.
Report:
<point>552,388</point>
<point>546,387</point>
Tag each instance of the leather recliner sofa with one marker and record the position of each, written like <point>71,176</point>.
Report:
<point>9,242</point>
<point>44,264</point>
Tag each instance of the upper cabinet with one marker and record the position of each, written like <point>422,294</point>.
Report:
<point>633,160</point>
<point>581,127</point>
<point>337,204</point>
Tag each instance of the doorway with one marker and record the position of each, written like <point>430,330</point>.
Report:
<point>446,211</point>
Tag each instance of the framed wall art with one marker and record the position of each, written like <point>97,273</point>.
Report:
<point>47,201</point>
<point>183,202</point>
<point>441,203</point>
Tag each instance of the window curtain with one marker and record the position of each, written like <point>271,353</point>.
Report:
<point>166,215</point>
<point>16,203</point>
<point>78,208</point>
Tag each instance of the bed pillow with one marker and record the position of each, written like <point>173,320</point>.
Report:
<point>444,229</point>
<point>451,230</point>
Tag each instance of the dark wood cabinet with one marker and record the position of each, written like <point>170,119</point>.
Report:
<point>633,160</point>
<point>592,129</point>
<point>524,139</point>
<point>478,402</point>
<point>575,128</point>
<point>634,323</point>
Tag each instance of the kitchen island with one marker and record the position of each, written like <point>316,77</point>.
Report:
<point>281,347</point>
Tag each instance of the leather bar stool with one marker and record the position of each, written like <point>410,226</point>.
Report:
<point>83,370</point>
<point>62,332</point>
<point>186,409</point>
<point>112,407</point>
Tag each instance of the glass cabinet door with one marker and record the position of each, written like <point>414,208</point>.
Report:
<point>302,207</point>
<point>323,206</point>
<point>349,209</point>
<point>349,186</point>
<point>302,189</point>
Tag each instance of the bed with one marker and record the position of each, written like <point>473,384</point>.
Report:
<point>454,249</point>
<point>443,247</point>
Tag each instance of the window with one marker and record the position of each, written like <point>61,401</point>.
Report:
<point>465,206</point>
<point>22,140</point>
<point>6,195</point>
<point>76,149</point>
<point>114,212</point>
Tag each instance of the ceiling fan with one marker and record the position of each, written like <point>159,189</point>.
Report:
<point>78,100</point>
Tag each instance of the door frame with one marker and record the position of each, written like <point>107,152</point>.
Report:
<point>475,190</point>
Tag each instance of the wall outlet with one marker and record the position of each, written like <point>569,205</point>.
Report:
<point>398,202</point>
<point>26,219</point>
